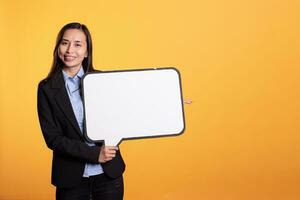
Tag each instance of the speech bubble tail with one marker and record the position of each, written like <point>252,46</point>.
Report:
<point>112,141</point>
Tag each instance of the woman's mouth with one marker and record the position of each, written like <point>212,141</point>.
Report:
<point>69,58</point>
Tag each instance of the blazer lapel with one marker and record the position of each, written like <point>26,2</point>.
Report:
<point>63,101</point>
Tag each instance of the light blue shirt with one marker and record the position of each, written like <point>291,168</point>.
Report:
<point>73,88</point>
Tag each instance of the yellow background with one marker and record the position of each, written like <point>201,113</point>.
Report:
<point>239,62</point>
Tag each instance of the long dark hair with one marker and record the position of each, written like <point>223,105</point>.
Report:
<point>87,63</point>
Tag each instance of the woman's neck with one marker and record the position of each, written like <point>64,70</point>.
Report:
<point>72,71</point>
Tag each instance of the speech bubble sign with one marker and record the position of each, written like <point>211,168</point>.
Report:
<point>132,104</point>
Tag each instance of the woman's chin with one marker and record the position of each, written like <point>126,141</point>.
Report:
<point>71,66</point>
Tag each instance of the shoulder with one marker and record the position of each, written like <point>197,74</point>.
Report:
<point>52,81</point>
<point>44,84</point>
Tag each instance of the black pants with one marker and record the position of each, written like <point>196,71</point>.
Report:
<point>99,187</point>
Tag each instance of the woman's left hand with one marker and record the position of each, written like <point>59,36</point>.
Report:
<point>188,101</point>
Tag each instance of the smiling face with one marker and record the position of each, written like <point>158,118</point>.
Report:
<point>73,49</point>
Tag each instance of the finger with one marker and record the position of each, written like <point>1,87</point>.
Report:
<point>112,147</point>
<point>110,150</point>
<point>110,155</point>
<point>188,101</point>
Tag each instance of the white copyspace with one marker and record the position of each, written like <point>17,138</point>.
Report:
<point>132,104</point>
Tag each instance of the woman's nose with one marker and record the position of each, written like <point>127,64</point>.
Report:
<point>69,48</point>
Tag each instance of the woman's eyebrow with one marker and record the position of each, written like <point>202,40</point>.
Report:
<point>64,39</point>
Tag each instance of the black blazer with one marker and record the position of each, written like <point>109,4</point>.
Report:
<point>62,134</point>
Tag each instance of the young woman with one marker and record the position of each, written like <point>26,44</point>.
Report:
<point>80,170</point>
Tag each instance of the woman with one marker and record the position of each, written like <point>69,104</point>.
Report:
<point>80,170</point>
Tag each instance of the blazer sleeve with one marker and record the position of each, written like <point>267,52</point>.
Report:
<point>54,137</point>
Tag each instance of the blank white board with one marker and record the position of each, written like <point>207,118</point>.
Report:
<point>132,104</point>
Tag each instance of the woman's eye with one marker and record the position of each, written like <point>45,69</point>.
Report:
<point>78,45</point>
<point>64,43</point>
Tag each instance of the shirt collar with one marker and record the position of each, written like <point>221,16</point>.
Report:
<point>79,74</point>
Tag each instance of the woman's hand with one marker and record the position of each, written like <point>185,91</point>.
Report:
<point>187,101</point>
<point>107,153</point>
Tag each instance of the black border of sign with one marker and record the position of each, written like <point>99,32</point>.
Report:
<point>131,70</point>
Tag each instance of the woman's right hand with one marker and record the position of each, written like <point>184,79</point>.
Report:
<point>107,153</point>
